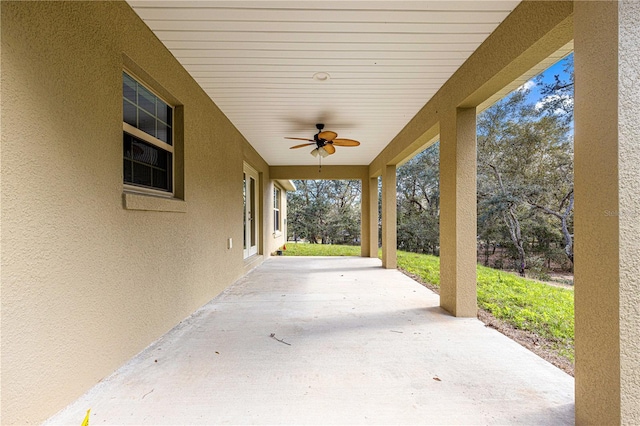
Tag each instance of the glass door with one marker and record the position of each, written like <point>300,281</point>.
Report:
<point>250,201</point>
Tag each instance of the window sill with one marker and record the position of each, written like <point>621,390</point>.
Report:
<point>277,234</point>
<point>150,203</point>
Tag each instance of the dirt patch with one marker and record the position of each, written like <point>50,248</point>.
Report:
<point>546,349</point>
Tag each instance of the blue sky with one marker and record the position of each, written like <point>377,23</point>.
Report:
<point>548,77</point>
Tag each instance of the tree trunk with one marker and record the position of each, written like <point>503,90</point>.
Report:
<point>486,254</point>
<point>516,238</point>
<point>568,238</point>
<point>513,224</point>
<point>568,248</point>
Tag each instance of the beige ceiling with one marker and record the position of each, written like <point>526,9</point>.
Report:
<point>385,59</point>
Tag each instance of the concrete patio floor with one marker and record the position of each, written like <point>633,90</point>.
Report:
<point>364,345</point>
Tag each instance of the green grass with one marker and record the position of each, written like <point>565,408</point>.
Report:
<point>526,304</point>
<point>529,305</point>
<point>305,249</point>
<point>424,266</point>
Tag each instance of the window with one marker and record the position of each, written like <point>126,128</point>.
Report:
<point>148,152</point>
<point>276,209</point>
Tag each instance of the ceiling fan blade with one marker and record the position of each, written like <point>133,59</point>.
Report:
<point>301,139</point>
<point>302,145</point>
<point>327,135</point>
<point>345,142</point>
<point>329,148</point>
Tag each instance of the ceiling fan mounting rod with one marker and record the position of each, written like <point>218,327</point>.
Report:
<point>319,141</point>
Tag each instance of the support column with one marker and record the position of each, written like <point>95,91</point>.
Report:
<point>458,213</point>
<point>373,217</point>
<point>365,218</point>
<point>607,212</point>
<point>389,218</point>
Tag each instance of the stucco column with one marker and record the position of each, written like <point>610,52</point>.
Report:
<point>607,212</point>
<point>389,218</point>
<point>373,217</point>
<point>458,212</point>
<point>365,218</point>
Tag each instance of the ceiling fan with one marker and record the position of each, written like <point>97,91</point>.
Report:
<point>325,142</point>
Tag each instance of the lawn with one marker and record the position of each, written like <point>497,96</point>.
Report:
<point>305,249</point>
<point>529,305</point>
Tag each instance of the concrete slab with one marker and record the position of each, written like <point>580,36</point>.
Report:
<point>359,345</point>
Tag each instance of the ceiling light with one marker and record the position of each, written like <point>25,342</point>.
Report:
<point>315,152</point>
<point>321,76</point>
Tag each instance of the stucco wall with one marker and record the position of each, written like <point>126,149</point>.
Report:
<point>86,283</point>
<point>629,176</point>
<point>607,212</point>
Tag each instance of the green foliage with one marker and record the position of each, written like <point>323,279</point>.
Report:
<point>529,305</point>
<point>525,184</point>
<point>419,202</point>
<point>525,181</point>
<point>326,211</point>
<point>557,97</point>
<point>537,269</point>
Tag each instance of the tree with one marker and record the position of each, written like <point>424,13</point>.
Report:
<point>525,165</point>
<point>418,196</point>
<point>525,181</point>
<point>499,162</point>
<point>324,211</point>
<point>563,213</point>
<point>557,97</point>
<point>557,200</point>
<point>344,216</point>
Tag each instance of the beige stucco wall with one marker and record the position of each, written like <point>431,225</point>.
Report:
<point>629,178</point>
<point>86,283</point>
<point>607,212</point>
<point>389,218</point>
<point>458,219</point>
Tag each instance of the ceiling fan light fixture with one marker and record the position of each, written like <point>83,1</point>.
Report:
<point>315,152</point>
<point>323,152</point>
<point>321,76</point>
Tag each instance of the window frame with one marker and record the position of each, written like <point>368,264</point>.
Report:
<point>253,212</point>
<point>151,140</point>
<point>277,211</point>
